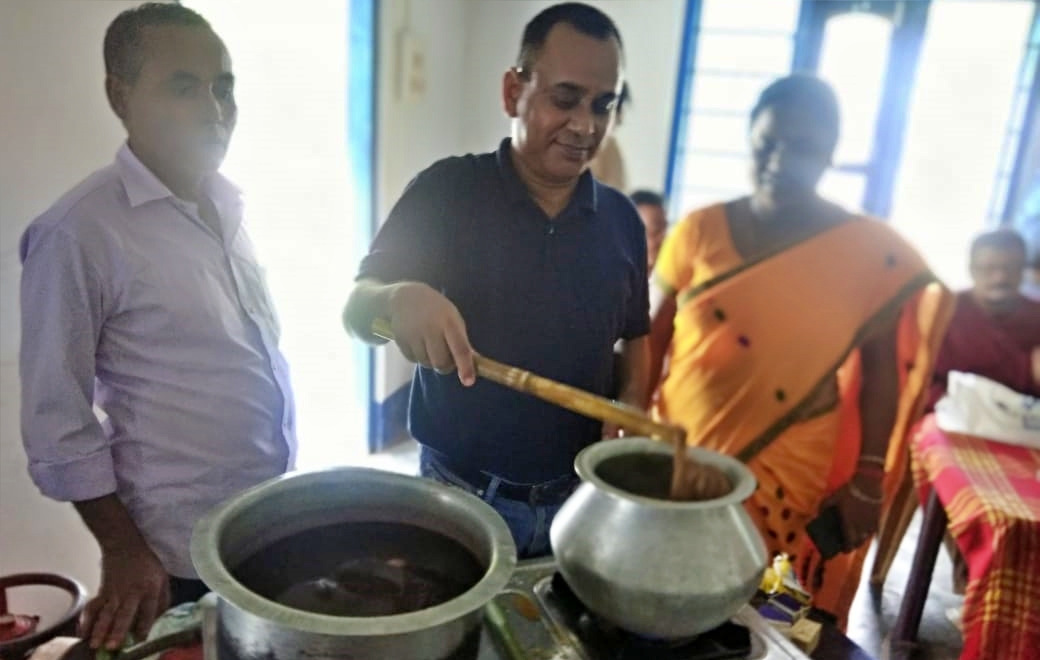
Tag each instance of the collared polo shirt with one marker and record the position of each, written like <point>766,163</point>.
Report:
<point>550,295</point>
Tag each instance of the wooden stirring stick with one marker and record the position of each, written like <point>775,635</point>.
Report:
<point>576,400</point>
<point>585,403</point>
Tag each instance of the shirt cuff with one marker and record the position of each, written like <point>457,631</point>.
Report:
<point>84,478</point>
<point>637,333</point>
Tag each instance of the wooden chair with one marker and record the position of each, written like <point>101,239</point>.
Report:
<point>934,310</point>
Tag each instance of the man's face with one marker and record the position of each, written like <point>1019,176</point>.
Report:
<point>997,275</point>
<point>656,223</point>
<point>565,104</point>
<point>180,112</point>
<point>790,152</point>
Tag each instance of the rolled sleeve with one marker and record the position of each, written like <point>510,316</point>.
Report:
<point>84,478</point>
<point>62,308</point>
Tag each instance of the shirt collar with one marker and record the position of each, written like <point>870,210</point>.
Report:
<point>142,186</point>
<point>585,195</point>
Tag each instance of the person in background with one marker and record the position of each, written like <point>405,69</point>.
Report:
<point>523,255</point>
<point>608,166</point>
<point>788,323</point>
<point>995,330</point>
<point>650,206</point>
<point>141,295</point>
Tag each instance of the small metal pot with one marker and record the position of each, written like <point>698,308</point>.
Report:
<point>254,627</point>
<point>655,567</point>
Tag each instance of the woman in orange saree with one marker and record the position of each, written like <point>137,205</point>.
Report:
<point>799,338</point>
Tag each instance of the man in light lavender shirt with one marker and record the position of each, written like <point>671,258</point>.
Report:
<point>141,296</point>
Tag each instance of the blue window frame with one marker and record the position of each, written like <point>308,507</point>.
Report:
<point>1016,139</point>
<point>733,48</point>
<point>361,153</point>
<point>730,50</point>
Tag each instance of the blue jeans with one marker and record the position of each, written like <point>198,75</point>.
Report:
<point>528,524</point>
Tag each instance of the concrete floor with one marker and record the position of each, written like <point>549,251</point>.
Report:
<point>868,625</point>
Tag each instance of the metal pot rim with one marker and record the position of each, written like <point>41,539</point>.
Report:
<point>590,458</point>
<point>205,553</point>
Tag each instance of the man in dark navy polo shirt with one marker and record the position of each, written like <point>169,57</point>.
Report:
<point>521,255</point>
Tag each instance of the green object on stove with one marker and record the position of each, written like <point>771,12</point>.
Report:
<point>496,619</point>
<point>105,654</point>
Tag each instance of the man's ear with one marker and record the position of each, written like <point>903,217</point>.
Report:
<point>117,92</point>
<point>512,90</point>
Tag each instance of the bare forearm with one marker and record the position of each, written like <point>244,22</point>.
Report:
<point>662,322</point>
<point>879,395</point>
<point>878,419</point>
<point>134,583</point>
<point>635,372</point>
<point>111,524</point>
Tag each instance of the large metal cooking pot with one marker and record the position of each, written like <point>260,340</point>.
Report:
<point>655,567</point>
<point>296,527</point>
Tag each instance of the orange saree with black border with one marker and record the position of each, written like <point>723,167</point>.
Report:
<point>755,342</point>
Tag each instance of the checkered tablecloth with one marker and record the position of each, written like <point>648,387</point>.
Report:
<point>991,494</point>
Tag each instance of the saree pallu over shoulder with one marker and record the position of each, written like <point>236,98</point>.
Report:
<point>751,345</point>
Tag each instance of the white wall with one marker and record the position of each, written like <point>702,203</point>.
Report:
<point>289,157</point>
<point>55,127</point>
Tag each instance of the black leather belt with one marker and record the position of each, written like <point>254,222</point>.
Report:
<point>554,491</point>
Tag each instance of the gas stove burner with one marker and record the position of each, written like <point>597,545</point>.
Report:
<point>730,641</point>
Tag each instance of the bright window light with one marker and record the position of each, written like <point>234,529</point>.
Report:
<point>958,114</point>
<point>289,155</point>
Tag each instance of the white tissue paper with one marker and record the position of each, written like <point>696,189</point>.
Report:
<point>977,406</point>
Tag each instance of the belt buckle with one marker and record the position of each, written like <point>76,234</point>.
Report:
<point>535,495</point>
<point>549,492</point>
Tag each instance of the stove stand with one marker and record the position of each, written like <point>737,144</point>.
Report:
<point>547,622</point>
<point>605,641</point>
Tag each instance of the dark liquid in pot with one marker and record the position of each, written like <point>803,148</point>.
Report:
<point>646,475</point>
<point>650,475</point>
<point>361,569</point>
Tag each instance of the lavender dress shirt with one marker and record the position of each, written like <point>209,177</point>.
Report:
<point>133,305</point>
